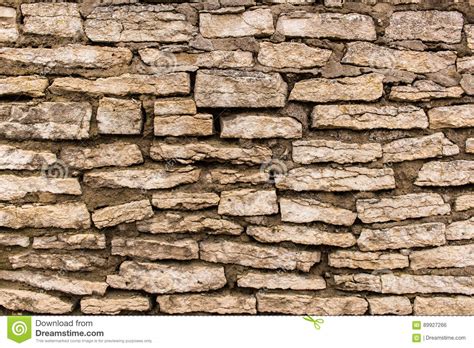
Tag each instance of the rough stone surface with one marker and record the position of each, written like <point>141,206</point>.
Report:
<point>115,304</point>
<point>32,86</point>
<point>452,173</point>
<point>443,257</point>
<point>390,305</point>
<point>465,64</point>
<point>13,239</point>
<point>184,125</point>
<point>464,202</point>
<point>70,241</point>
<point>57,261</point>
<point>185,200</point>
<point>358,282</point>
<point>8,27</point>
<point>119,116</point>
<point>424,90</point>
<point>456,116</point>
<point>370,260</point>
<point>248,202</point>
<point>442,305</point>
<point>174,106</point>
<point>427,284</point>
<point>36,302</point>
<point>459,230</point>
<point>16,158</point>
<point>15,187</point>
<point>291,281</point>
<point>232,176</point>
<point>251,126</point>
<point>124,213</point>
<point>292,55</point>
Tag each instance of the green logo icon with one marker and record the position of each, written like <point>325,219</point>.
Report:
<point>316,322</point>
<point>19,329</point>
<point>416,338</point>
<point>416,325</point>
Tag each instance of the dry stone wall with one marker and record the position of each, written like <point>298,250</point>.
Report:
<point>237,157</point>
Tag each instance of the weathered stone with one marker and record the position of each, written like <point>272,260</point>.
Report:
<point>115,304</point>
<point>251,126</point>
<point>70,241</point>
<point>61,215</point>
<point>257,22</point>
<point>156,248</point>
<point>174,106</point>
<point>32,86</point>
<point>300,235</point>
<point>57,19</point>
<point>15,158</point>
<point>351,26</point>
<point>232,176</point>
<point>458,305</point>
<point>443,257</point>
<point>424,90</point>
<point>453,173</point>
<point>224,303</point>
<point>467,84</point>
<point>103,155</point>
<point>465,64</point>
<point>371,260</point>
<point>16,187</point>
<point>65,262</point>
<point>361,116</point>
<point>302,210</point>
<point>118,116</point>
<point>401,237</point>
<point>358,282</point>
<point>182,125</point>
<point>8,28</point>
<point>258,256</point>
<point>292,281</point>
<point>56,282</point>
<point>248,202</point>
<point>162,61</point>
<point>297,304</point>
<point>460,230</point>
<point>210,151</point>
<point>123,213</point>
<point>366,87</point>
<point>233,88</point>
<point>336,179</point>
<point>46,120</point>
<point>469,29</point>
<point>14,239</point>
<point>390,305</point>
<point>397,208</point>
<point>188,223</point>
<point>369,54</point>
<point>456,116</point>
<point>168,278</point>
<point>31,301</point>
<point>185,200</point>
<point>426,284</point>
<point>444,26</point>
<point>140,23</point>
<point>409,149</point>
<point>126,84</point>
<point>292,55</point>
<point>464,202</point>
<point>316,151</point>
<point>147,179</point>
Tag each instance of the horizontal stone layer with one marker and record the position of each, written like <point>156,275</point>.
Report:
<point>36,302</point>
<point>292,281</point>
<point>123,213</point>
<point>115,304</point>
<point>70,241</point>
<point>453,173</point>
<point>15,187</point>
<point>78,261</point>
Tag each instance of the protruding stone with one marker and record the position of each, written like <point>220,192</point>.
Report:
<point>8,28</point>
<point>426,284</point>
<point>15,158</point>
<point>291,281</point>
<point>358,282</point>
<point>36,302</point>
<point>14,239</point>
<point>371,260</point>
<point>184,125</point>
<point>424,90</point>
<point>70,241</point>
<point>443,257</point>
<point>464,202</point>
<point>292,55</point>
<point>453,173</point>
<point>124,213</point>
<point>115,304</point>
<point>455,116</point>
<point>185,200</point>
<point>32,86</point>
<point>119,116</point>
<point>398,305</point>
<point>255,126</point>
<point>79,261</point>
<point>248,202</point>
<point>458,305</point>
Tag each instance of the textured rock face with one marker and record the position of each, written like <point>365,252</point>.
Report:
<point>12,239</point>
<point>8,28</point>
<point>232,88</point>
<point>358,282</point>
<point>119,116</point>
<point>124,213</point>
<point>230,176</point>
<point>444,26</point>
<point>444,256</point>
<point>248,203</point>
<point>260,126</point>
<point>361,116</point>
<point>70,241</point>
<point>167,278</point>
<point>182,125</point>
<point>15,158</point>
<point>115,304</point>
<point>24,85</point>
<point>185,201</point>
<point>14,187</point>
<point>292,281</point>
<point>258,256</point>
<point>174,106</point>
<point>423,90</point>
<point>456,116</point>
<point>459,230</point>
<point>65,262</point>
<point>458,305</point>
<point>156,248</point>
<point>372,260</point>
<point>397,208</point>
<point>452,173</point>
<point>36,302</point>
<point>390,305</point>
<point>464,202</point>
<point>292,55</point>
<point>426,284</point>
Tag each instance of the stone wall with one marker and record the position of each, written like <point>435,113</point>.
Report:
<point>234,156</point>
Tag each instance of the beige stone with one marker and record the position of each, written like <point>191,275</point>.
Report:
<point>300,235</point>
<point>184,125</point>
<point>402,237</point>
<point>351,26</point>
<point>368,87</point>
<point>398,305</point>
<point>70,241</point>
<point>55,282</point>
<point>470,145</point>
<point>8,27</point>
<point>32,86</point>
<point>455,116</point>
<point>453,173</point>
<point>424,90</point>
<point>123,213</point>
<point>443,305</point>
<point>302,210</point>
<point>469,29</point>
<point>358,282</point>
<point>16,158</point>
<point>290,281</point>
<point>119,116</point>
<point>167,278</point>
<point>426,284</point>
<point>45,120</point>
<point>61,215</point>
<point>460,230</point>
<point>219,303</point>
<point>115,304</point>
<point>464,202</point>
<point>185,200</point>
<point>232,176</point>
<point>258,256</point>
<point>79,261</point>
<point>174,106</point>
<point>15,187</point>
<point>292,55</point>
<point>234,88</point>
<point>443,257</point>
<point>336,179</point>
<point>188,223</point>
<point>248,202</point>
<point>368,260</point>
<point>409,149</point>
<point>397,208</point>
<point>257,22</point>
<point>156,248</point>
<point>467,84</point>
<point>316,151</point>
<point>251,126</point>
<point>147,179</point>
<point>14,239</point>
<point>362,116</point>
<point>36,302</point>
<point>465,64</point>
<point>297,304</point>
